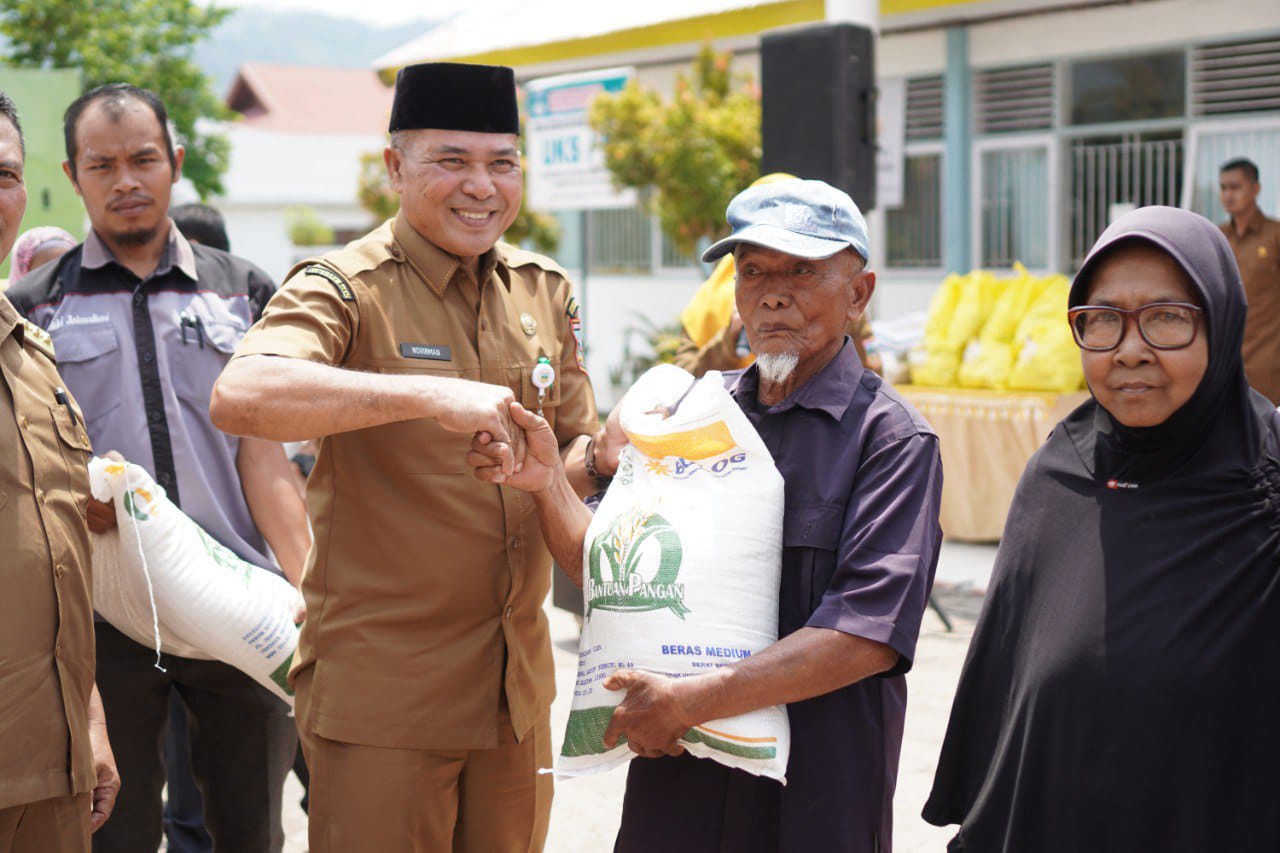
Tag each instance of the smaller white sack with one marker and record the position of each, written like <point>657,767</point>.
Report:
<point>681,567</point>
<point>207,600</point>
<point>122,598</point>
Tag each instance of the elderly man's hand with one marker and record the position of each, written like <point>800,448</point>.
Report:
<point>106,777</point>
<point>609,443</point>
<point>652,716</point>
<point>100,516</point>
<point>534,460</point>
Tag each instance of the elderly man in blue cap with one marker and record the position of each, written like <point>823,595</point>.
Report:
<point>860,543</point>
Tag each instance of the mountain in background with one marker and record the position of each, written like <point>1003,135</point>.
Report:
<point>289,37</point>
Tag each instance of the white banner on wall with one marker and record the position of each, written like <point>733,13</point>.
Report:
<point>891,137</point>
<point>566,169</point>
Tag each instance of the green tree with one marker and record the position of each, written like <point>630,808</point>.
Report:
<point>144,42</point>
<point>691,154</point>
<point>373,188</point>
<point>306,228</point>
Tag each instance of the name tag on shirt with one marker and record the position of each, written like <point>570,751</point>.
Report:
<point>427,351</point>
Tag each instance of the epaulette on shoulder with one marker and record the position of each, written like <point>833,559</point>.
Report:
<point>517,257</point>
<point>38,338</point>
<point>338,281</point>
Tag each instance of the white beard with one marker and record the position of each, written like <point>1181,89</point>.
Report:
<point>776,368</point>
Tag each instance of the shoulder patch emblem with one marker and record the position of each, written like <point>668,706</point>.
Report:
<point>339,283</point>
<point>39,337</point>
<point>574,314</point>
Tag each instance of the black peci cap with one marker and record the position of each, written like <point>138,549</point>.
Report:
<point>455,96</point>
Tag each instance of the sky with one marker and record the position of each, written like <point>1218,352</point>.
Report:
<point>370,11</point>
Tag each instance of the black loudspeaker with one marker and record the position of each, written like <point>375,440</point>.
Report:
<point>818,105</point>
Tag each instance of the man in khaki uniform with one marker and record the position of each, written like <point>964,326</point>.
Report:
<point>58,778</point>
<point>1255,239</point>
<point>424,673</point>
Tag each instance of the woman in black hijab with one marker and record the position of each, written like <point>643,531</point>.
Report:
<point>1122,690</point>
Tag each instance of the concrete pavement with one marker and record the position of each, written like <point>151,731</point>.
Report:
<point>584,816</point>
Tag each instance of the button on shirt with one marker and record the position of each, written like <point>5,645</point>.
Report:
<point>46,627</point>
<point>1258,255</point>
<point>141,356</point>
<point>863,481</point>
<point>424,589</point>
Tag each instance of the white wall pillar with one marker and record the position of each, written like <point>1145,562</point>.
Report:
<point>862,12</point>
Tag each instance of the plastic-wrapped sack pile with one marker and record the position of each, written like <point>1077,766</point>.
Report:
<point>1006,334</point>
<point>681,566</point>
<point>163,582</point>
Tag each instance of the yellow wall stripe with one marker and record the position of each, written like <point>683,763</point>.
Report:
<point>736,22</point>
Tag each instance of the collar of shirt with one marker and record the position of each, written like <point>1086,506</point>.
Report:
<point>435,265</point>
<point>10,323</point>
<point>1252,222</point>
<point>178,254</point>
<point>830,390</point>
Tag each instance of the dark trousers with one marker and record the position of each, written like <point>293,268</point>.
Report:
<point>183,805</point>
<point>242,746</point>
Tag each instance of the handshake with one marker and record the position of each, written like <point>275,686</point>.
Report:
<point>515,447</point>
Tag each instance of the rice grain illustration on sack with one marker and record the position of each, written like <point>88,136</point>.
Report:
<point>681,566</point>
<point>164,582</point>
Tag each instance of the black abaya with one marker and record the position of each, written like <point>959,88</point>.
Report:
<point>1122,690</point>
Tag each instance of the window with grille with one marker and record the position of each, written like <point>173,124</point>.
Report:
<point>1015,206</point>
<point>1112,174</point>
<point>1239,77</point>
<point>913,232</point>
<point>1129,88</point>
<point>924,108</point>
<point>621,240</point>
<point>1216,145</point>
<point>1013,99</point>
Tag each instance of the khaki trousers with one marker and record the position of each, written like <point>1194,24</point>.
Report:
<point>369,798</point>
<point>59,825</point>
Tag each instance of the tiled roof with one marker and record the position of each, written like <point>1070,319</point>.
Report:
<point>305,99</point>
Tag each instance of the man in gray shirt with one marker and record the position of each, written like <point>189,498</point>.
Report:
<point>143,322</point>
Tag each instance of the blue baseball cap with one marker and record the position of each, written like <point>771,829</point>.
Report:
<point>808,219</point>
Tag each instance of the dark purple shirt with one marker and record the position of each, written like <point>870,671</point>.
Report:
<point>860,544</point>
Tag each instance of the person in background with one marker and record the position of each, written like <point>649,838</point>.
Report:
<point>37,247</point>
<point>144,321</point>
<point>58,778</point>
<point>1255,240</point>
<point>711,331</point>
<point>203,224</point>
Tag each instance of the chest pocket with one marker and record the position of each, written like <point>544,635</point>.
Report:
<point>811,543</point>
<point>419,446</point>
<point>73,444</point>
<point>195,365</point>
<point>89,362</point>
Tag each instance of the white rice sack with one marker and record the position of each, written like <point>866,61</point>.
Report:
<point>208,603</point>
<point>681,569</point>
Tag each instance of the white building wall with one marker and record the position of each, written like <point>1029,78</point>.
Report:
<point>613,303</point>
<point>271,172</point>
<point>259,233</point>
<point>1118,29</point>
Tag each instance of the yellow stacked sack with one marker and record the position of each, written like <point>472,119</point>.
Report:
<point>957,313</point>
<point>989,360</point>
<point>1048,359</point>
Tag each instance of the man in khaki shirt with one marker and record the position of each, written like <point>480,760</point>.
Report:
<point>58,778</point>
<point>424,673</point>
<point>1255,239</point>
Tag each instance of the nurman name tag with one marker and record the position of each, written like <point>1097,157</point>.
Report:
<point>429,351</point>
